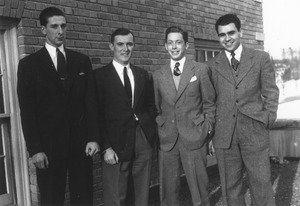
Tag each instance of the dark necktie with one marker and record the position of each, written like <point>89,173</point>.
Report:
<point>234,61</point>
<point>61,64</point>
<point>127,84</point>
<point>177,72</point>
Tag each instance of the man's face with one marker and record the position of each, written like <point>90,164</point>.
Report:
<point>229,37</point>
<point>122,47</point>
<point>176,46</point>
<point>55,30</point>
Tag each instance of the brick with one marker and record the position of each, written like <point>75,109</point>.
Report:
<point>69,3</point>
<point>93,7</point>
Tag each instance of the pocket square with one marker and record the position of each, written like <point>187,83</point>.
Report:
<point>81,73</point>
<point>194,78</point>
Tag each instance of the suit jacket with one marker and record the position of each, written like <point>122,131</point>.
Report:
<point>188,112</point>
<point>53,113</point>
<point>252,92</point>
<point>116,113</point>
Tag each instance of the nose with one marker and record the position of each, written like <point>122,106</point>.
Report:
<point>60,30</point>
<point>125,47</point>
<point>174,46</point>
<point>227,37</point>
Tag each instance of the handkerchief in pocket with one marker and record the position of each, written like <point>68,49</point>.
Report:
<point>194,78</point>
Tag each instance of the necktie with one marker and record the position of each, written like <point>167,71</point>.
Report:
<point>234,61</point>
<point>177,72</point>
<point>61,64</point>
<point>127,84</point>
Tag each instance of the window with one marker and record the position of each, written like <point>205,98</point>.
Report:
<point>206,49</point>
<point>14,181</point>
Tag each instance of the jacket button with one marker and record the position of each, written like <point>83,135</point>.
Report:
<point>233,116</point>
<point>236,87</point>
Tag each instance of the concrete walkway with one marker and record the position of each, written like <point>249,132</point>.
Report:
<point>285,178</point>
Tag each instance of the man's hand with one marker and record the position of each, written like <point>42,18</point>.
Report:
<point>110,157</point>
<point>211,149</point>
<point>92,148</point>
<point>40,160</point>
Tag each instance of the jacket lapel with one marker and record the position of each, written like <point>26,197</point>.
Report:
<point>186,76</point>
<point>245,63</point>
<point>139,84</point>
<point>72,69</point>
<point>112,76</point>
<point>167,81</point>
<point>48,67</point>
<point>223,67</point>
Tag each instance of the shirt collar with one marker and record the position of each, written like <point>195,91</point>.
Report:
<point>181,62</point>
<point>237,52</point>
<point>119,67</point>
<point>52,50</point>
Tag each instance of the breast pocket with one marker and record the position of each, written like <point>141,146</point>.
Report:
<point>193,88</point>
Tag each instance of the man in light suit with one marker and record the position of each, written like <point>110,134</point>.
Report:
<point>184,98</point>
<point>53,102</point>
<point>247,101</point>
<point>126,112</point>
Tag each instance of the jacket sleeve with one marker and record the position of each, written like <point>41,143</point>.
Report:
<point>208,96</point>
<point>27,101</point>
<point>269,90</point>
<point>91,104</point>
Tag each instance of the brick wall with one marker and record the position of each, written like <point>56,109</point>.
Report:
<point>90,23</point>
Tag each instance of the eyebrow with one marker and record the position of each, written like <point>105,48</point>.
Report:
<point>224,33</point>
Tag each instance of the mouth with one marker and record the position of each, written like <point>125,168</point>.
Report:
<point>175,52</point>
<point>229,44</point>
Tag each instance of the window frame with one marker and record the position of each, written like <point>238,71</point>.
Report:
<point>206,46</point>
<point>19,156</point>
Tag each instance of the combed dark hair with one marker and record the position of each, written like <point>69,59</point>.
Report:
<point>49,12</point>
<point>120,31</point>
<point>177,29</point>
<point>227,19</point>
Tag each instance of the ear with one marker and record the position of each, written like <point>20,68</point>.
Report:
<point>241,33</point>
<point>187,45</point>
<point>166,46</point>
<point>111,46</point>
<point>43,29</point>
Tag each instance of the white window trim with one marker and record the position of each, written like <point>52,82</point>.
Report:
<point>19,151</point>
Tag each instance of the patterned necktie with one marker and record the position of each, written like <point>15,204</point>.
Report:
<point>61,64</point>
<point>127,84</point>
<point>234,61</point>
<point>177,72</point>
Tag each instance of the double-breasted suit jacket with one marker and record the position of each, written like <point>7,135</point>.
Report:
<point>252,91</point>
<point>188,112</point>
<point>117,115</point>
<point>53,112</point>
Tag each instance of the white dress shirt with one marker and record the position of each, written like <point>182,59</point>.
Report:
<point>120,68</point>
<point>237,52</point>
<point>181,62</point>
<point>52,51</point>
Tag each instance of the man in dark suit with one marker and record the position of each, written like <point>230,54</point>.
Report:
<point>52,96</point>
<point>247,101</point>
<point>126,115</point>
<point>184,97</point>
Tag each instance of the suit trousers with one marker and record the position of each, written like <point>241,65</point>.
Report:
<point>116,177</point>
<point>52,181</point>
<point>194,166</point>
<point>249,150</point>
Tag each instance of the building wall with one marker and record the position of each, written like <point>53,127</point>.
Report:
<point>90,23</point>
